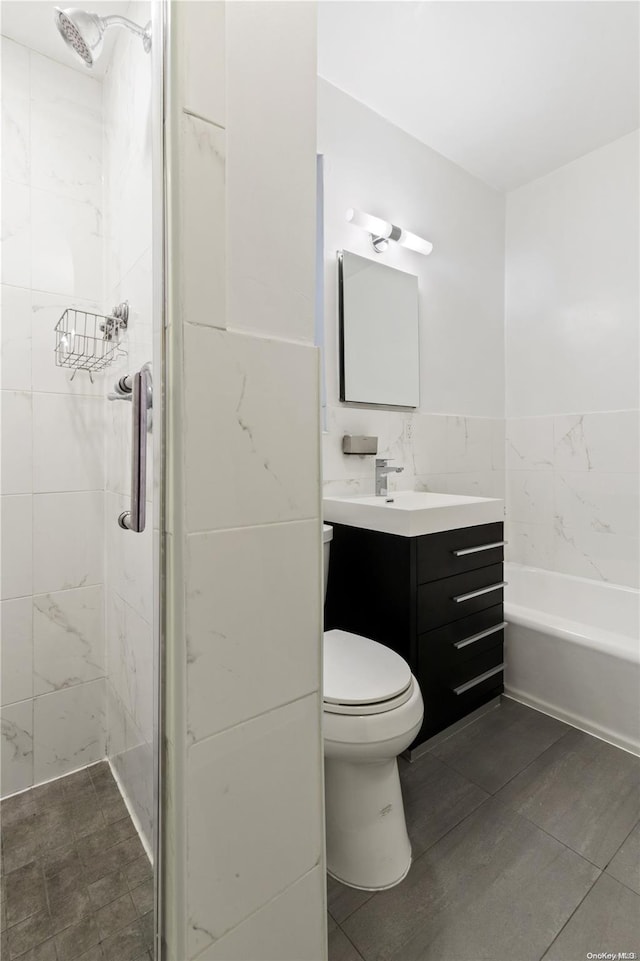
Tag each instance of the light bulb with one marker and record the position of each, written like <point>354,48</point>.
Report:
<point>374,225</point>
<point>413,242</point>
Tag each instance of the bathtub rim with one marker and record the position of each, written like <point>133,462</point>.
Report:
<point>575,632</point>
<point>589,582</point>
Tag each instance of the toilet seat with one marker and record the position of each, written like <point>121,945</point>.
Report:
<point>377,707</point>
<point>362,676</point>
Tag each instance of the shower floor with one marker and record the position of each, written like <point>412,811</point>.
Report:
<point>76,881</point>
<point>526,846</point>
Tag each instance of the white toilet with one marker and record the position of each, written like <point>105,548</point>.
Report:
<point>372,711</point>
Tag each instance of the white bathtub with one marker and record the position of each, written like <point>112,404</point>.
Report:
<point>572,650</point>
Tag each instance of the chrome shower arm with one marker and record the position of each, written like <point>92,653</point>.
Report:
<point>114,20</point>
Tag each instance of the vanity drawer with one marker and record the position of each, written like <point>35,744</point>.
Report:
<point>454,672</point>
<point>453,598</point>
<point>462,640</point>
<point>458,551</point>
<point>447,700</point>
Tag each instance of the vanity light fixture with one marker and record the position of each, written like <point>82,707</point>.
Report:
<point>382,232</point>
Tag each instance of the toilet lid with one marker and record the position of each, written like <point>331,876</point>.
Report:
<point>358,670</point>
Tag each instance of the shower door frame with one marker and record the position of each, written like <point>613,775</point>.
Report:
<point>160,16</point>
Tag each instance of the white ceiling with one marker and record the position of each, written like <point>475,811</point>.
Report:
<point>507,90</point>
<point>30,22</point>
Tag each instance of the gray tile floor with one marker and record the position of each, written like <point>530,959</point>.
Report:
<point>526,845</point>
<point>76,882</point>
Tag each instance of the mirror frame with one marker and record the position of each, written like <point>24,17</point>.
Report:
<point>341,337</point>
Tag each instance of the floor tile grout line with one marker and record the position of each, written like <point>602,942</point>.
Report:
<point>579,854</point>
<point>351,942</point>
<point>600,870</point>
<point>355,911</point>
<point>617,851</point>
<point>586,895</point>
<point>446,833</point>
<point>513,776</point>
<point>67,797</point>
<point>415,860</point>
<point>453,827</point>
<point>556,936</point>
<point>623,883</point>
<point>557,840</point>
<point>537,758</point>
<point>520,814</point>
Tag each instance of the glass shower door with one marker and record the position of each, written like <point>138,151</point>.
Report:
<point>81,329</point>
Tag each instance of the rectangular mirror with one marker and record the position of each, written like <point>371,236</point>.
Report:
<point>379,356</point>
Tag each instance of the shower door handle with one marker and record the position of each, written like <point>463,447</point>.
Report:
<point>134,519</point>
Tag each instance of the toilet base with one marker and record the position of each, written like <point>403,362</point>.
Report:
<point>361,887</point>
<point>367,842</point>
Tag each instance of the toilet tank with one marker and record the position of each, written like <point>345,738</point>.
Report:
<point>327,534</point>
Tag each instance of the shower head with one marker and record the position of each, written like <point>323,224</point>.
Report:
<point>84,32</point>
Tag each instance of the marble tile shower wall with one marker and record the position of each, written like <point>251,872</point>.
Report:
<point>573,380</point>
<point>572,494</point>
<point>129,557</point>
<point>53,662</point>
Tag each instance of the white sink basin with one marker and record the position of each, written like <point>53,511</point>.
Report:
<point>411,513</point>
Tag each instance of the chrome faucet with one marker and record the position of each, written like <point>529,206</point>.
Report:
<point>382,470</point>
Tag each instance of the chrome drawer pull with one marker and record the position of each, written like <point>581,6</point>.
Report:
<point>483,590</point>
<point>475,550</point>
<point>478,680</point>
<point>478,637</point>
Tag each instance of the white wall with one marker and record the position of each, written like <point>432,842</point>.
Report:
<point>454,441</point>
<point>572,363</point>
<point>244,816</point>
<point>129,556</point>
<point>53,658</point>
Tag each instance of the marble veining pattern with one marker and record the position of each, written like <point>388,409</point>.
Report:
<point>69,729</point>
<point>438,452</point>
<point>16,677</point>
<point>573,501</point>
<point>16,758</point>
<point>203,210</point>
<point>574,445</point>
<point>67,540</point>
<point>239,602</point>
<point>52,572</point>
<point>265,476</point>
<point>223,805</point>
<point>68,638</point>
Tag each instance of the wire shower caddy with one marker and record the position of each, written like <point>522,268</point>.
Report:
<point>88,341</point>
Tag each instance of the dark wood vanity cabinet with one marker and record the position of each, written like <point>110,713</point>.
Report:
<point>436,600</point>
